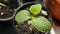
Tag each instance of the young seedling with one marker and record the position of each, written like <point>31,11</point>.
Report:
<point>39,22</point>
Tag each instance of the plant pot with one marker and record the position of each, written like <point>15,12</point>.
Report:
<point>7,21</point>
<point>6,14</point>
<point>24,1</point>
<point>38,1</point>
<point>23,28</point>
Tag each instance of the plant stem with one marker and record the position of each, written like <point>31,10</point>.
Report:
<point>19,2</point>
<point>45,33</point>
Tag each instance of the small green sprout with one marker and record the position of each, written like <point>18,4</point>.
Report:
<point>1,4</point>
<point>39,22</point>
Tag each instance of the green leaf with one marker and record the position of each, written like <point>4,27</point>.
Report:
<point>41,24</point>
<point>35,9</point>
<point>22,16</point>
<point>1,4</point>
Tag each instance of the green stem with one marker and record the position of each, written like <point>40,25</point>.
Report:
<point>1,4</point>
<point>46,33</point>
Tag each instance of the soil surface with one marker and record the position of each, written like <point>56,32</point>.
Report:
<point>6,12</point>
<point>24,28</point>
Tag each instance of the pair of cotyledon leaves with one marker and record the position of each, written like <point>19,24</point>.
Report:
<point>40,22</point>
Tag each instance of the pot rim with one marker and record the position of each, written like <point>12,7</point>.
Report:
<point>25,4</point>
<point>9,17</point>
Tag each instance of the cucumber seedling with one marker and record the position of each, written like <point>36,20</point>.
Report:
<point>39,22</point>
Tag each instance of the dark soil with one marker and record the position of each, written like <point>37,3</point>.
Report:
<point>7,12</point>
<point>24,28</point>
